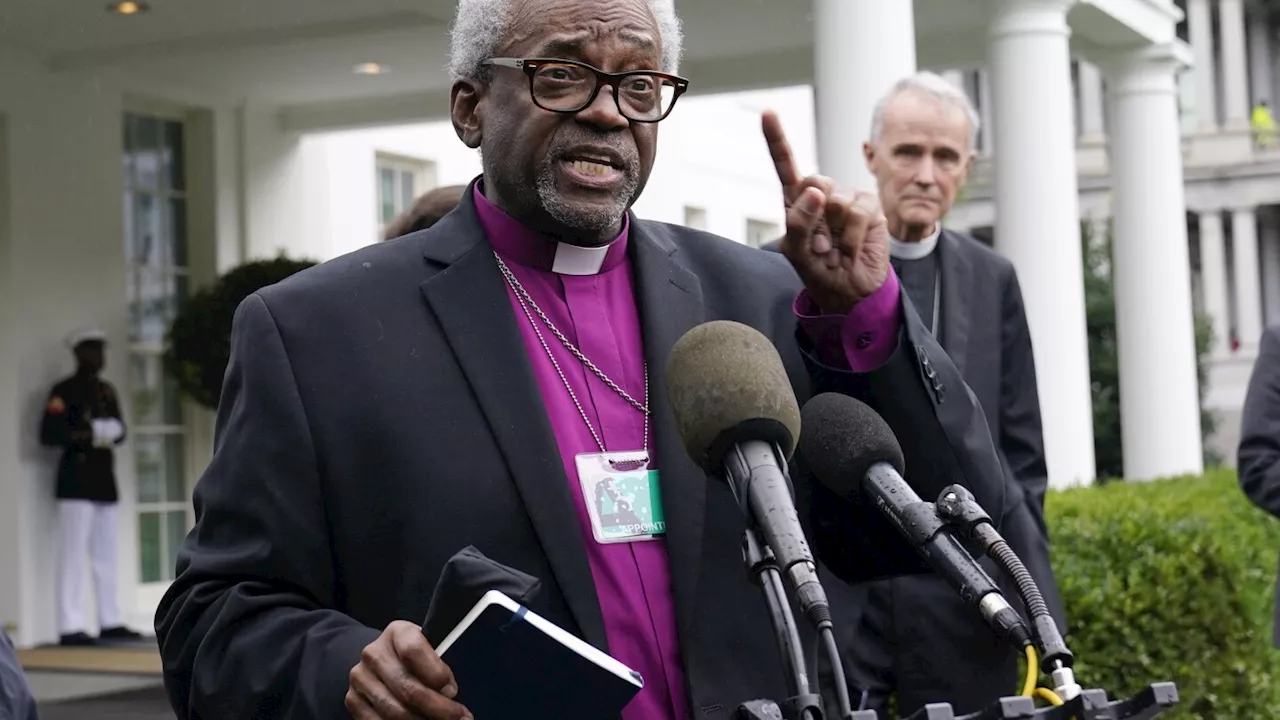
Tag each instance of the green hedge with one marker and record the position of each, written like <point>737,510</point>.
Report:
<point>1171,580</point>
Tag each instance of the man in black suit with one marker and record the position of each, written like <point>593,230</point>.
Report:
<point>1258,457</point>
<point>916,638</point>
<point>388,408</point>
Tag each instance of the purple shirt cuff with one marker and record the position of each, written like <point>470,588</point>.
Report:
<point>861,341</point>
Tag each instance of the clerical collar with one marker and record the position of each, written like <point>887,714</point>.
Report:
<point>915,250</point>
<point>515,242</point>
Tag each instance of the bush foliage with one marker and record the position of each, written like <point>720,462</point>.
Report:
<point>199,341</point>
<point>1171,580</point>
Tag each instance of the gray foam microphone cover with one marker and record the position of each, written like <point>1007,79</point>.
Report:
<point>726,383</point>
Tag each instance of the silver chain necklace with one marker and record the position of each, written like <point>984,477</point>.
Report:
<point>526,302</point>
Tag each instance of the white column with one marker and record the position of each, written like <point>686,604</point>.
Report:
<point>1213,281</point>
<point>1269,247</point>
<point>1038,227</point>
<point>1159,401</point>
<point>985,113</point>
<point>861,48</point>
<point>1090,80</point>
<point>1259,59</point>
<point>1235,73</point>
<point>1244,254</point>
<point>1200,28</point>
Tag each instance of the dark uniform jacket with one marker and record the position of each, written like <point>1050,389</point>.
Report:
<point>85,472</point>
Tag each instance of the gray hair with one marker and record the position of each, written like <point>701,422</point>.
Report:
<point>933,86</point>
<point>480,26</point>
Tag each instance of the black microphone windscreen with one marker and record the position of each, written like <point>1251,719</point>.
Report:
<point>843,437</point>
<point>726,384</point>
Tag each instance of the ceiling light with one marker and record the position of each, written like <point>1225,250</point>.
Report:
<point>128,7</point>
<point>371,68</point>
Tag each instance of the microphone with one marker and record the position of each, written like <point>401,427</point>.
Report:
<point>739,421</point>
<point>852,451</point>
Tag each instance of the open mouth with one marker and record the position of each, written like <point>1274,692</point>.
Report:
<point>592,167</point>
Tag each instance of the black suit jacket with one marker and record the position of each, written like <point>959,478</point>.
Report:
<point>379,414</point>
<point>85,472</point>
<point>984,332</point>
<point>1258,458</point>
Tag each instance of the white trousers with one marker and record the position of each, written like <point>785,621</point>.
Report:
<point>88,529</point>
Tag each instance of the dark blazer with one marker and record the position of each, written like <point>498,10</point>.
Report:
<point>914,636</point>
<point>16,700</point>
<point>1258,458</point>
<point>85,472</point>
<point>985,333</point>
<point>379,414</point>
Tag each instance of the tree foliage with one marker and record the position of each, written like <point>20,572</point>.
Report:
<point>1104,366</point>
<point>199,341</point>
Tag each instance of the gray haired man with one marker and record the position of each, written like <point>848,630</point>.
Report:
<point>916,637</point>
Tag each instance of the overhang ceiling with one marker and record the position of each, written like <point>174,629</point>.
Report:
<point>302,52</point>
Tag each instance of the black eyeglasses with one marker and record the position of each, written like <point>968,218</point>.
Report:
<point>569,86</point>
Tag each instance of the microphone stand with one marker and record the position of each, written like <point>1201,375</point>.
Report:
<point>1091,704</point>
<point>960,512</point>
<point>802,703</point>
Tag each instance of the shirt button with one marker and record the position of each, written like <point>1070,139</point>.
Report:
<point>865,340</point>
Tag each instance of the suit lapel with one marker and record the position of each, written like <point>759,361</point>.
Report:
<point>470,301</point>
<point>670,299</point>
<point>956,275</point>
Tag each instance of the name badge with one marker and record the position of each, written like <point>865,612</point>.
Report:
<point>624,497</point>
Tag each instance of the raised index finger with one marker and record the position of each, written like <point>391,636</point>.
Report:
<point>780,150</point>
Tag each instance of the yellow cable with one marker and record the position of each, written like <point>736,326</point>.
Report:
<point>1033,664</point>
<point>1049,696</point>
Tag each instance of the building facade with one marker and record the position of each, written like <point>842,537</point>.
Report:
<point>143,153</point>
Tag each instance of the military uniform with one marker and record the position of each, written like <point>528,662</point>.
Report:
<point>86,470</point>
<point>82,416</point>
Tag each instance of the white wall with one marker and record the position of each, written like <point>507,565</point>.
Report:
<point>63,265</point>
<point>711,155</point>
<point>66,256</point>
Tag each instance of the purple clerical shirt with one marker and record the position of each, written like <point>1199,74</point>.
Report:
<point>597,312</point>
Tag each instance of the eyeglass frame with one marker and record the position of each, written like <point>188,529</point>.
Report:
<point>529,66</point>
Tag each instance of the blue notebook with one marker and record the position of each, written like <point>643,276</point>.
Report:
<point>512,663</point>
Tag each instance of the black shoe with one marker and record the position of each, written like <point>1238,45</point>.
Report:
<point>119,632</point>
<point>77,639</point>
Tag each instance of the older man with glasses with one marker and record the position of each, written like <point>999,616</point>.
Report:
<point>465,386</point>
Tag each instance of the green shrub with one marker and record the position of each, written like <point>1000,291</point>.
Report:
<point>199,339</point>
<point>1171,580</point>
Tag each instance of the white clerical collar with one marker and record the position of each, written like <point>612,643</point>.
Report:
<point>578,260</point>
<point>915,250</point>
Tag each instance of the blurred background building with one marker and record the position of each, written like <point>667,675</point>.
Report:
<point>145,150</point>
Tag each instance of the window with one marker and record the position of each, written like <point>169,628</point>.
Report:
<point>155,235</point>
<point>760,232</point>
<point>400,182</point>
<point>695,217</point>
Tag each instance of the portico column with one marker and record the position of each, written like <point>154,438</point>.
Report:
<point>1269,248</point>
<point>861,48</point>
<point>1038,227</point>
<point>1259,59</point>
<point>984,111</point>
<point>1090,81</point>
<point>1213,281</point>
<point>1200,28</point>
<point>1244,255</point>
<point>1235,73</point>
<point>1155,332</point>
